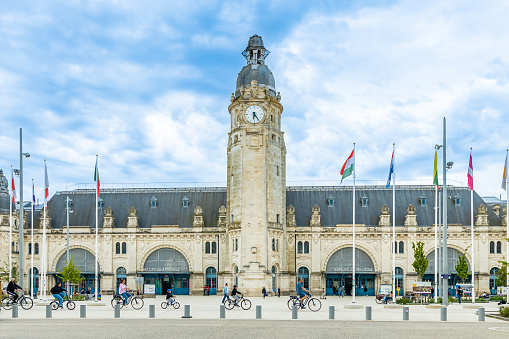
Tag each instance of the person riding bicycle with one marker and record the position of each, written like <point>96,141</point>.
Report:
<point>235,295</point>
<point>169,297</point>
<point>122,290</point>
<point>302,292</point>
<point>58,293</point>
<point>11,289</point>
<point>387,297</point>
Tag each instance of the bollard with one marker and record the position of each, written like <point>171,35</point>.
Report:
<point>406,314</point>
<point>443,314</point>
<point>368,312</point>
<point>187,311</point>
<point>83,311</point>
<point>294,312</point>
<point>331,312</point>
<point>49,310</point>
<point>14,311</point>
<point>258,311</point>
<point>151,311</point>
<point>222,312</point>
<point>481,314</point>
<point>117,311</point>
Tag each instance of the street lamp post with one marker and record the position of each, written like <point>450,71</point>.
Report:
<point>68,203</point>
<point>21,212</point>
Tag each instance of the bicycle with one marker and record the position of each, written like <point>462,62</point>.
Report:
<point>136,303</point>
<point>25,302</point>
<point>170,302</point>
<point>229,304</point>
<point>68,303</point>
<point>380,299</point>
<point>312,303</point>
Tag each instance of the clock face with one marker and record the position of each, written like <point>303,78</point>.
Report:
<point>254,114</point>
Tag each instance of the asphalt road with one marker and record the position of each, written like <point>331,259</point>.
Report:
<point>224,328</point>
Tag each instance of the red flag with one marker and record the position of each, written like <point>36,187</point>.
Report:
<point>96,177</point>
<point>13,188</point>
<point>470,174</point>
<point>46,184</point>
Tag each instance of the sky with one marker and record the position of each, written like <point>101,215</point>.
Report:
<point>146,86</point>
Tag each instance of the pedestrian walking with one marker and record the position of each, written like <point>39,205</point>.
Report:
<point>208,290</point>
<point>342,291</point>
<point>278,292</point>
<point>334,290</point>
<point>204,289</point>
<point>323,294</point>
<point>264,292</point>
<point>365,290</point>
<point>225,292</point>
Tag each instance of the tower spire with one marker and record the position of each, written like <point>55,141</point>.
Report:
<point>255,53</point>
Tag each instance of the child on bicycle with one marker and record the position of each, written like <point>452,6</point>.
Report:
<point>235,295</point>
<point>169,297</point>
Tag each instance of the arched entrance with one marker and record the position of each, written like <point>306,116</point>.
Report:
<point>36,280</point>
<point>493,280</point>
<point>85,261</point>
<point>303,273</point>
<point>211,280</point>
<point>121,274</point>
<point>274,279</point>
<point>399,281</point>
<point>452,259</point>
<point>339,272</point>
<point>167,268</point>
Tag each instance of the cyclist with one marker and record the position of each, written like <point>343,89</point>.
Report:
<point>58,293</point>
<point>235,295</point>
<point>11,289</point>
<point>387,297</point>
<point>122,290</point>
<point>302,292</point>
<point>169,297</point>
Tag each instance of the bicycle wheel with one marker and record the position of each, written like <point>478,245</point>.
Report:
<point>117,300</point>
<point>292,302</point>
<point>245,304</point>
<point>26,303</point>
<point>137,303</point>
<point>314,304</point>
<point>164,305</point>
<point>7,303</point>
<point>54,305</point>
<point>379,301</point>
<point>176,305</point>
<point>71,305</point>
<point>229,304</point>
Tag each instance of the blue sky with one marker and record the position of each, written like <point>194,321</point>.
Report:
<point>146,85</point>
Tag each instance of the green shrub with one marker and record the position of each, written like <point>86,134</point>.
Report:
<point>504,311</point>
<point>497,298</point>
<point>403,301</point>
<point>481,300</point>
<point>453,300</point>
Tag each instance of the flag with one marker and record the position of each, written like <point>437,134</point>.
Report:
<point>435,171</point>
<point>96,177</point>
<point>33,196</point>
<point>13,188</point>
<point>504,176</point>
<point>470,174</point>
<point>348,167</point>
<point>391,170</point>
<point>46,185</point>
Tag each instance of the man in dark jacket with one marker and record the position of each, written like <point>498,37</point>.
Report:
<point>58,293</point>
<point>11,289</point>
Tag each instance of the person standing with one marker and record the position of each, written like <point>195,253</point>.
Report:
<point>264,292</point>
<point>334,290</point>
<point>225,292</point>
<point>323,294</point>
<point>208,290</point>
<point>342,291</point>
<point>459,293</point>
<point>278,292</point>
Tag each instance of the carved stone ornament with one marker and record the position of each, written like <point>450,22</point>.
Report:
<point>315,217</point>
<point>481,219</point>
<point>411,217</point>
<point>221,220</point>
<point>4,183</point>
<point>496,210</point>
<point>109,220</point>
<point>290,217</point>
<point>504,217</point>
<point>132,219</point>
<point>198,217</point>
<point>385,217</point>
<point>48,219</point>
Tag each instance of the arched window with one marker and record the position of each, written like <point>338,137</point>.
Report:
<point>273,244</point>
<point>233,245</point>
<point>499,247</point>
<point>214,247</point>
<point>492,247</point>
<point>207,247</point>
<point>117,248</point>
<point>401,247</point>
<point>299,247</point>
<point>395,247</point>
<point>399,277</point>
<point>211,277</point>
<point>306,246</point>
<point>493,279</point>
<point>124,248</point>
<point>304,274</point>
<point>36,248</point>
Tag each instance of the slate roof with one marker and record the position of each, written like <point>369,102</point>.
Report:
<point>170,210</point>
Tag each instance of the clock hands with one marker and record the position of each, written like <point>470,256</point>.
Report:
<point>255,116</point>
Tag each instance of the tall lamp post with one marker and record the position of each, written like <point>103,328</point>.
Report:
<point>68,204</point>
<point>21,212</point>
<point>445,277</point>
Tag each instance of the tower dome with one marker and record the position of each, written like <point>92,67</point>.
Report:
<point>255,54</point>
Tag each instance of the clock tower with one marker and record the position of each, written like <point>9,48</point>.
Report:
<point>256,182</point>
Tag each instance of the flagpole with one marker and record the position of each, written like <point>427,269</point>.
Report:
<point>32,252</point>
<point>96,289</point>
<point>10,227</point>
<point>472,227</point>
<point>393,223</point>
<point>436,252</point>
<point>507,220</point>
<point>43,257</point>
<point>353,203</point>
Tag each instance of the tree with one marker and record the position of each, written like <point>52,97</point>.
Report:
<point>420,263</point>
<point>501,275</point>
<point>70,274</point>
<point>4,271</point>
<point>462,267</point>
